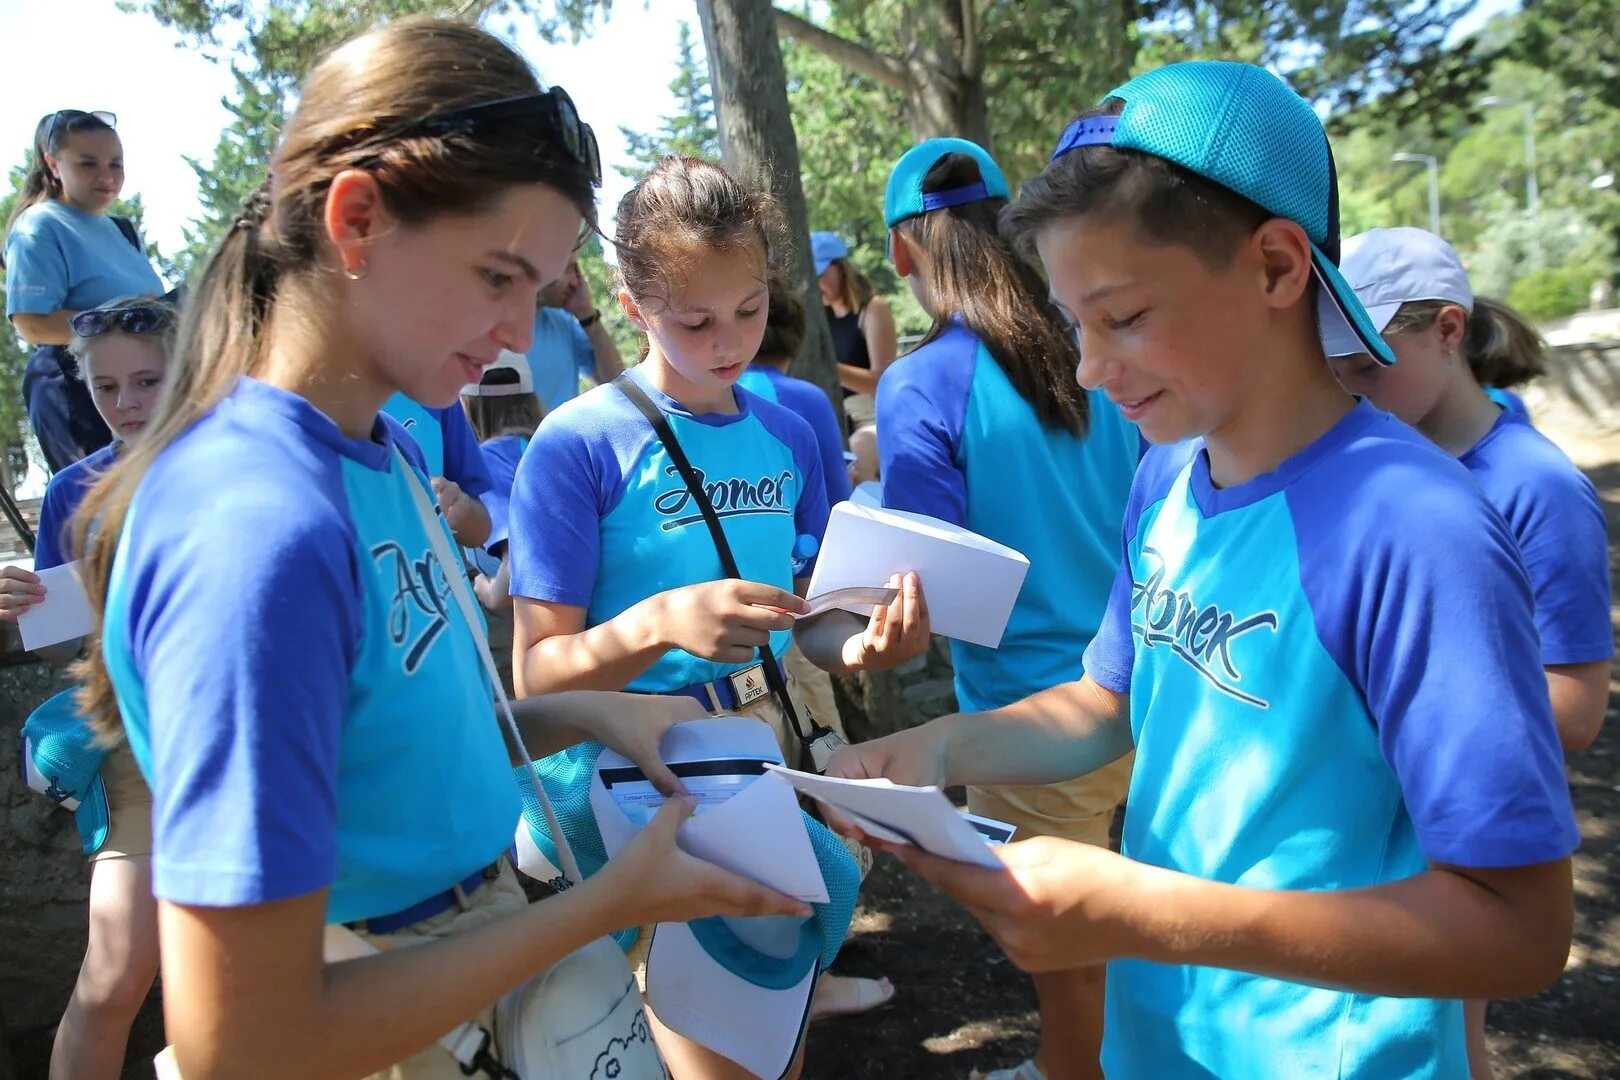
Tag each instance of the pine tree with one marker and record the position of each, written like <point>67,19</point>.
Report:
<point>691,132</point>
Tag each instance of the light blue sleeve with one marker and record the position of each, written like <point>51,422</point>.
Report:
<point>243,623</point>
<point>1440,639</point>
<point>37,278</point>
<point>922,403</point>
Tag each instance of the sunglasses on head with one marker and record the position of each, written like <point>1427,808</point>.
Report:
<point>71,119</point>
<point>139,319</point>
<point>548,112</point>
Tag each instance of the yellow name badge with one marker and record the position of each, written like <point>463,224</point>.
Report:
<point>749,684</point>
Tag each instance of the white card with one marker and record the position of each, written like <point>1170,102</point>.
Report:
<point>857,598</point>
<point>63,615</point>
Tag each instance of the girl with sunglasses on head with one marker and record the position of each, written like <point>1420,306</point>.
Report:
<point>122,351</point>
<point>63,254</point>
<point>282,642</point>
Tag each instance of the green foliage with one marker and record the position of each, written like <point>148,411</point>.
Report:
<point>1552,292</point>
<point>689,131</point>
<point>603,280</point>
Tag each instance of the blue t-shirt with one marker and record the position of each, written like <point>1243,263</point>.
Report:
<point>501,456</point>
<point>1557,521</point>
<point>1510,401</point>
<point>296,680</point>
<point>54,539</point>
<point>600,518</point>
<point>810,402</point>
<point>958,442</point>
<point>1332,683</point>
<point>59,257</point>
<point>447,442</point>
<point>559,356</point>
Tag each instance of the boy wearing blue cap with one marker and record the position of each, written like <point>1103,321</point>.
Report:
<point>1348,802</point>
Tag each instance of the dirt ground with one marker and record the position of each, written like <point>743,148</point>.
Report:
<point>961,1005</point>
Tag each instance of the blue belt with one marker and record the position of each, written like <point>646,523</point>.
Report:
<point>433,905</point>
<point>723,691</point>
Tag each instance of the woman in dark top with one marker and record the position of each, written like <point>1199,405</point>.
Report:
<point>862,326</point>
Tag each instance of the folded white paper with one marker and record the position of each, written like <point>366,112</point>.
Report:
<point>857,599</point>
<point>63,615</point>
<point>970,581</point>
<point>921,816</point>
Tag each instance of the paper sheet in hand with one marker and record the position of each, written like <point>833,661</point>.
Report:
<point>64,614</point>
<point>970,581</point>
<point>922,816</point>
<point>859,599</point>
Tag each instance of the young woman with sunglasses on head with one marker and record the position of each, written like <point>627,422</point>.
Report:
<point>295,677</point>
<point>64,253</point>
<point>122,351</point>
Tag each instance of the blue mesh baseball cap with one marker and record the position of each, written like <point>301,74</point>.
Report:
<point>904,197</point>
<point>1242,127</point>
<point>824,248</point>
<point>62,761</point>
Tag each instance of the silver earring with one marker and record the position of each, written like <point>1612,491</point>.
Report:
<point>355,274</point>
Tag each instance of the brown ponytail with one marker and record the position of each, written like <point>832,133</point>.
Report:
<point>349,108</point>
<point>1501,346</point>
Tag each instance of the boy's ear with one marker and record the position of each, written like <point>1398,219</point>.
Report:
<point>900,253</point>
<point>1283,252</point>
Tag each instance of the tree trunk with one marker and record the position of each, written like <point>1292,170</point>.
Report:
<point>757,140</point>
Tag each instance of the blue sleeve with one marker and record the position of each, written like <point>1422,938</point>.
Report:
<point>811,511</point>
<point>810,402</point>
<point>1111,655</point>
<point>1440,640</point>
<point>584,351</point>
<point>463,461</point>
<point>566,482</point>
<point>922,403</point>
<point>244,623</point>
<point>53,538</point>
<point>1565,545</point>
<point>501,459</point>
<point>37,279</point>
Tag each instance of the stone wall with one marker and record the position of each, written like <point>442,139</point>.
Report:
<point>43,878</point>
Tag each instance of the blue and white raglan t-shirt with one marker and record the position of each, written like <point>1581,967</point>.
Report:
<point>54,538</point>
<point>60,257</point>
<point>810,402</point>
<point>601,519</point>
<point>1557,521</point>
<point>958,442</point>
<point>296,680</point>
<point>1333,683</point>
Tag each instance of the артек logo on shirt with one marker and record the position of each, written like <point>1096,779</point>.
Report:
<point>420,588</point>
<point>1201,636</point>
<point>736,497</point>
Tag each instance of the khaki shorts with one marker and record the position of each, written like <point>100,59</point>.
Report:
<point>861,409</point>
<point>129,807</point>
<point>494,900</point>
<point>1081,809</point>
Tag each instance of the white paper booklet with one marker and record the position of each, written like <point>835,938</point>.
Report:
<point>63,615</point>
<point>970,581</point>
<point>921,816</point>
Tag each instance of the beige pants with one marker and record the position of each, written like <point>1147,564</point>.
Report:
<point>129,807</point>
<point>495,899</point>
<point>1081,809</point>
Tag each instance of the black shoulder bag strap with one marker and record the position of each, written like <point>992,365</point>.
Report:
<point>127,227</point>
<point>820,742</point>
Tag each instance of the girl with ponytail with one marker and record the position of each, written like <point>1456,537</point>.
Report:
<point>279,643</point>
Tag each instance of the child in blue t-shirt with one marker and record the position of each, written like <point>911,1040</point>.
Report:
<point>1448,344</point>
<point>461,481</point>
<point>281,636</point>
<point>64,253</point>
<point>1348,808</point>
<point>122,351</point>
<point>984,425</point>
<point>616,579</point>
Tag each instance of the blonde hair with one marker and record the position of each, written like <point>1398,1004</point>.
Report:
<point>355,111</point>
<point>1502,347</point>
<point>163,338</point>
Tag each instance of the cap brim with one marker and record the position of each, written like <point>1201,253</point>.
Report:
<point>821,266</point>
<point>697,996</point>
<point>93,818</point>
<point>1344,324</point>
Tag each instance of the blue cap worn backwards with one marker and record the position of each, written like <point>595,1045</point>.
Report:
<point>1241,127</point>
<point>904,196</point>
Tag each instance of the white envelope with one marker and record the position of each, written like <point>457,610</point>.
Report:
<point>63,615</point>
<point>970,582</point>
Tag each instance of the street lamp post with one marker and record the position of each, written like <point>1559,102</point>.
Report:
<point>1532,187</point>
<point>1433,166</point>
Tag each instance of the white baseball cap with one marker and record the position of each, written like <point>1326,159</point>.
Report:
<point>508,376</point>
<point>1391,267</point>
